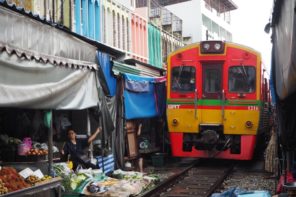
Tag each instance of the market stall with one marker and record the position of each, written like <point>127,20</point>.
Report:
<point>25,94</point>
<point>36,80</point>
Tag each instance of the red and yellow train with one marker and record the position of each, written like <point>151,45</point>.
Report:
<point>217,100</point>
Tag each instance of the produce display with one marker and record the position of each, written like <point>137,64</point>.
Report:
<point>12,180</point>
<point>5,139</point>
<point>32,179</point>
<point>3,189</point>
<point>96,183</point>
<point>46,177</point>
<point>35,151</point>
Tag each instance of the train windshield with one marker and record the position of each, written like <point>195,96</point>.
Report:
<point>183,79</point>
<point>242,79</point>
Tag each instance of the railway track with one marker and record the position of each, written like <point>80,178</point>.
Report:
<point>199,180</point>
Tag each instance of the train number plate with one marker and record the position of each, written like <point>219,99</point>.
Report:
<point>253,108</point>
<point>173,106</point>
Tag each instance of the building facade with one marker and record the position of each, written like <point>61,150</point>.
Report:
<point>116,24</point>
<point>57,11</point>
<point>205,19</point>
<point>164,31</point>
<point>145,31</point>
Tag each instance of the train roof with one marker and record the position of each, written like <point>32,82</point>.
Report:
<point>194,45</point>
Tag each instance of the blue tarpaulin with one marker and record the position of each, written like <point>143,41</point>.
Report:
<point>271,82</point>
<point>237,192</point>
<point>105,64</point>
<point>139,103</point>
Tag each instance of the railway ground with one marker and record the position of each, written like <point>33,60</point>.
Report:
<point>245,175</point>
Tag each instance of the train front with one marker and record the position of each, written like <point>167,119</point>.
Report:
<point>214,100</point>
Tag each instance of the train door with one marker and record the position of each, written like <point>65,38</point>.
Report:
<point>212,93</point>
<point>212,81</point>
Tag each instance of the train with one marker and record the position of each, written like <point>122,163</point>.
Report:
<point>218,101</point>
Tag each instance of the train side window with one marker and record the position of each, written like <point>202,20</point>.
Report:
<point>183,79</point>
<point>242,79</point>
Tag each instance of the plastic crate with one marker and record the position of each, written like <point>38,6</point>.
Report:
<point>71,195</point>
<point>108,162</point>
<point>158,159</point>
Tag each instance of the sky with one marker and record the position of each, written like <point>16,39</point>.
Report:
<point>248,23</point>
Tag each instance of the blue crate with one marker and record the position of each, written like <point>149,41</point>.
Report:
<point>108,163</point>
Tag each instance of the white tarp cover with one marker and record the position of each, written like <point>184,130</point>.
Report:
<point>284,43</point>
<point>36,85</point>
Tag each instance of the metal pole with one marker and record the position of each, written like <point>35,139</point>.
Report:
<point>50,145</point>
<point>62,12</point>
<point>53,11</point>
<point>91,156</point>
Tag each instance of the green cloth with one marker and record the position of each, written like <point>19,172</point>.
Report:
<point>47,118</point>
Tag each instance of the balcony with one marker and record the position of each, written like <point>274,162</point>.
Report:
<point>177,24</point>
<point>221,6</point>
<point>166,17</point>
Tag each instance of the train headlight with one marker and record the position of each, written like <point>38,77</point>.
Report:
<point>217,46</point>
<point>249,124</point>
<point>212,47</point>
<point>206,46</point>
<point>174,122</point>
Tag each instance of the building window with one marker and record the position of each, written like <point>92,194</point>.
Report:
<point>127,35</point>
<point>104,24</point>
<point>109,25</point>
<point>97,21</point>
<point>118,29</point>
<point>123,33</point>
<point>114,28</point>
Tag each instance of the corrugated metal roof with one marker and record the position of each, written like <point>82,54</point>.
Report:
<point>120,68</point>
<point>137,69</point>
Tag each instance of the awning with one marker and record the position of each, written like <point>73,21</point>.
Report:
<point>37,40</point>
<point>37,85</point>
<point>29,15</point>
<point>137,69</point>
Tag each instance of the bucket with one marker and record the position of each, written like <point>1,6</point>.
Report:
<point>28,142</point>
<point>22,149</point>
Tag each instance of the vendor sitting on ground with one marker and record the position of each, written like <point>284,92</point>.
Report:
<point>75,149</point>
